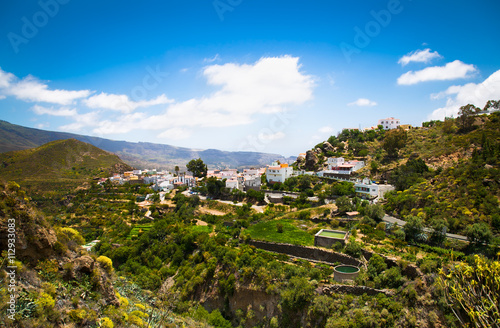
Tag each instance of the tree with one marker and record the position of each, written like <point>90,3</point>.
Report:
<point>197,167</point>
<point>177,170</point>
<point>465,117</point>
<point>414,228</point>
<point>479,233</point>
<point>375,212</point>
<point>343,204</point>
<point>492,104</point>
<point>438,233</point>
<point>376,265</point>
<point>214,187</point>
<point>394,140</point>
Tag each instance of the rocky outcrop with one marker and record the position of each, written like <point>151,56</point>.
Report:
<point>311,160</point>
<point>34,240</point>
<point>328,147</point>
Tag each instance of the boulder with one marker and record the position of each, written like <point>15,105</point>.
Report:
<point>311,160</point>
<point>328,147</point>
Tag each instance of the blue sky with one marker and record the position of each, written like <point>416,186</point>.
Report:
<point>271,76</point>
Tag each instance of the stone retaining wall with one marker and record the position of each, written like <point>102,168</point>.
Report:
<point>305,252</point>
<point>353,290</point>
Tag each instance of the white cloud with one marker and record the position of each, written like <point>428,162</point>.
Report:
<point>81,121</point>
<point>5,78</point>
<point>40,110</point>
<point>271,136</point>
<point>362,102</point>
<point>122,102</point>
<point>451,71</point>
<point>471,93</point>
<point>2,97</point>
<point>271,85</point>
<point>42,125</point>
<point>175,134</point>
<point>30,89</point>
<point>421,56</point>
<point>326,129</point>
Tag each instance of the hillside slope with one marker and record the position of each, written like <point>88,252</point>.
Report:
<point>142,154</point>
<point>441,172</point>
<point>60,164</point>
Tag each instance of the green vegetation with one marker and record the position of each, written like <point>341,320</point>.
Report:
<point>290,233</point>
<point>156,271</point>
<point>139,230</point>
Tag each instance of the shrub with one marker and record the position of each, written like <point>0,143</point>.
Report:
<point>77,315</point>
<point>106,263</point>
<point>44,302</point>
<point>106,323</point>
<point>353,248</point>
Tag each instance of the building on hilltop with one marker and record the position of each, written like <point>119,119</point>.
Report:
<point>389,123</point>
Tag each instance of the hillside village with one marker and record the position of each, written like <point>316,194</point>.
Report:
<point>337,168</point>
<point>360,231</point>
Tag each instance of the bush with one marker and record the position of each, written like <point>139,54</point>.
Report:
<point>106,323</point>
<point>353,248</point>
<point>106,263</point>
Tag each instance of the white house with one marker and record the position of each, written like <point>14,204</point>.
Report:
<point>278,173</point>
<point>232,183</point>
<point>389,123</point>
<point>337,165</point>
<point>368,190</point>
<point>252,182</point>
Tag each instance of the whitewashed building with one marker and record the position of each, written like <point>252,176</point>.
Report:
<point>232,183</point>
<point>369,190</point>
<point>390,123</point>
<point>278,173</point>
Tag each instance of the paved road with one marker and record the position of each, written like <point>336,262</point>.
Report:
<point>393,220</point>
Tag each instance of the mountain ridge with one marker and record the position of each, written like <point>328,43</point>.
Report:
<point>137,154</point>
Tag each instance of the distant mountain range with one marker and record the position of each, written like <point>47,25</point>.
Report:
<point>137,154</point>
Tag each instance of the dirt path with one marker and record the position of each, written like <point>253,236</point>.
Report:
<point>204,210</point>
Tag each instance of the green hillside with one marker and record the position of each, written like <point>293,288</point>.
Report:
<point>61,164</point>
<point>441,171</point>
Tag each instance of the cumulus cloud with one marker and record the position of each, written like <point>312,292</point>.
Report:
<point>451,71</point>
<point>5,78</point>
<point>270,85</point>
<point>32,90</point>
<point>471,93</point>
<point>363,102</point>
<point>122,102</point>
<point>421,56</point>
<point>64,111</point>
